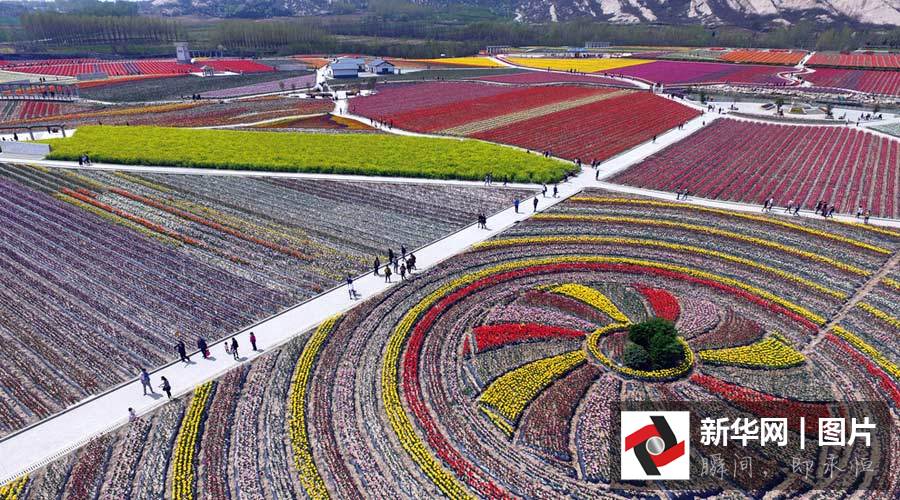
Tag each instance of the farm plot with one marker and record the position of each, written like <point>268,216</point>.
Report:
<point>685,73</point>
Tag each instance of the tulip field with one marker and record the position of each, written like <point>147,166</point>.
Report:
<point>492,375</point>
<point>686,73</point>
<point>178,114</point>
<point>570,121</point>
<point>843,166</point>
<point>109,268</point>
<point>871,81</point>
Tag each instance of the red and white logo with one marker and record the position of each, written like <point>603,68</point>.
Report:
<point>656,445</point>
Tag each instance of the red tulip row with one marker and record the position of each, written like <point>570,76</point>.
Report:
<point>491,336</point>
<point>884,380</point>
<point>664,304</point>
<point>765,405</point>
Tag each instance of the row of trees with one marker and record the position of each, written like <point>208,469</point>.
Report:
<point>274,36</point>
<point>57,28</point>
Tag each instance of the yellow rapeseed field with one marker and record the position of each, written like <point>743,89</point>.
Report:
<point>478,62</point>
<point>589,65</point>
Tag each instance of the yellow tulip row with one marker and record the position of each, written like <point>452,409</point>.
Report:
<point>183,470</point>
<point>400,421</point>
<point>593,298</point>
<point>740,215</point>
<point>886,364</point>
<point>706,230</point>
<point>303,459</point>
<point>653,375</point>
<point>891,283</point>
<point>878,313</point>
<point>510,393</point>
<point>614,240</point>
<point>14,488</point>
<point>397,417</point>
<point>871,228</point>
<point>771,352</point>
<point>499,421</point>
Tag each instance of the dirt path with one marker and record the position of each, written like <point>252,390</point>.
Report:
<point>857,296</point>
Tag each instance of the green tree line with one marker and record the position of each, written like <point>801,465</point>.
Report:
<point>57,28</point>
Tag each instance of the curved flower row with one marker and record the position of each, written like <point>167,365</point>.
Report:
<point>772,352</point>
<point>741,215</point>
<point>652,375</point>
<point>878,313</point>
<point>886,364</point>
<point>183,463</point>
<point>614,240</point>
<point>662,302</point>
<point>413,322</point>
<point>511,393</point>
<point>14,488</point>
<point>309,475</point>
<point>593,298</point>
<point>703,230</point>
<point>490,336</point>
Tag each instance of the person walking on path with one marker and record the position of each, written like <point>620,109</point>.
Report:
<point>859,211</point>
<point>350,289</point>
<point>132,416</point>
<point>390,255</point>
<point>387,274</point>
<point>182,352</point>
<point>866,216</point>
<point>402,272</point>
<point>145,381</point>
<point>544,190</point>
<point>411,263</point>
<point>204,349</point>
<point>396,263</point>
<point>253,341</point>
<point>516,204</point>
<point>555,190</point>
<point>166,387</point>
<point>597,175</point>
<point>403,252</point>
<point>377,266</point>
<point>234,348</point>
<point>790,205</point>
<point>831,211</point>
<point>797,210</point>
<point>535,204</point>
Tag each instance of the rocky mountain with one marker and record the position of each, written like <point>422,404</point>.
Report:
<point>710,12</point>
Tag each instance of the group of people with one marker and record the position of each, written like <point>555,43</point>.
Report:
<point>544,192</point>
<point>401,264</point>
<point>682,194</point>
<point>482,219</point>
<point>84,160</point>
<point>824,209</point>
<point>231,348</point>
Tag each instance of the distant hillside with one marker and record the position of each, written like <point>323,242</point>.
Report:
<point>749,13</point>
